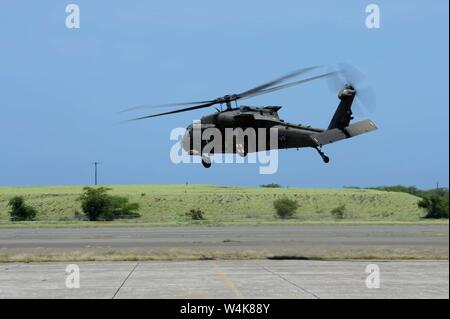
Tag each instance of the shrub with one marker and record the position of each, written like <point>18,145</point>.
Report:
<point>338,212</point>
<point>271,185</point>
<point>285,207</point>
<point>19,211</point>
<point>195,214</point>
<point>98,205</point>
<point>122,208</point>
<point>95,202</point>
<point>435,205</point>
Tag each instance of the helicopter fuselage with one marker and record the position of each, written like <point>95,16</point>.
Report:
<point>245,123</point>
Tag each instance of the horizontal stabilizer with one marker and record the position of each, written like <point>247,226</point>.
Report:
<point>334,135</point>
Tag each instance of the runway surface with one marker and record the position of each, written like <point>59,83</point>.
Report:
<point>308,241</point>
<point>228,279</point>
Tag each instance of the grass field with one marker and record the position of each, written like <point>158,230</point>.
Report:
<point>167,205</point>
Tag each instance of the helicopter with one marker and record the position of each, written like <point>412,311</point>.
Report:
<point>265,118</point>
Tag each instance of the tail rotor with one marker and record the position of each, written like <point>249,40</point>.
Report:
<point>347,76</point>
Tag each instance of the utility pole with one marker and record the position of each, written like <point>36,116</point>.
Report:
<point>95,166</point>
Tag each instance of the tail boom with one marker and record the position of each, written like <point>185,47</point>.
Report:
<point>336,134</point>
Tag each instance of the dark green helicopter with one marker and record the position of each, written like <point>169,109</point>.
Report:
<point>266,118</point>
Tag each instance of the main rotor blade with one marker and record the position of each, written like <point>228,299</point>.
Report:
<point>232,97</point>
<point>147,106</point>
<point>175,111</point>
<point>274,82</point>
<point>287,85</point>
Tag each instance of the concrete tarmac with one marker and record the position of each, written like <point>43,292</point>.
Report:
<point>228,279</point>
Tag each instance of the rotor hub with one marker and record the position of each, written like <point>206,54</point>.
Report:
<point>347,91</point>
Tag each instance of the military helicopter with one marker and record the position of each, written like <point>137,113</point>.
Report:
<point>266,117</point>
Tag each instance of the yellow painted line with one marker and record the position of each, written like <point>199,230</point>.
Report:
<point>227,280</point>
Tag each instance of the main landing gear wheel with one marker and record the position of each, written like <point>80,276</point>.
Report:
<point>206,161</point>
<point>325,158</point>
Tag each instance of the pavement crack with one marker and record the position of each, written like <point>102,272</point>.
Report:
<point>125,280</point>
<point>292,283</point>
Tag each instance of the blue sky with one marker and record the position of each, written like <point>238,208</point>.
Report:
<point>61,89</point>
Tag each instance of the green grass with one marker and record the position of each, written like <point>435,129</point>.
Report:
<point>163,205</point>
